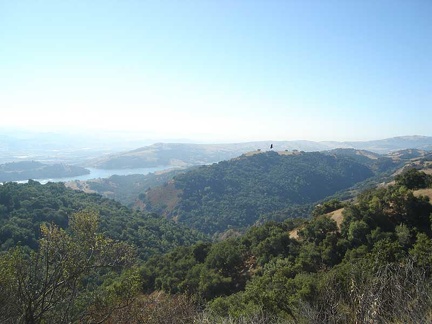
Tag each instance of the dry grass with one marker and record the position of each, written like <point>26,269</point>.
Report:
<point>79,185</point>
<point>287,152</point>
<point>427,170</point>
<point>253,153</point>
<point>367,154</point>
<point>424,192</point>
<point>294,233</point>
<point>166,197</point>
<point>337,216</point>
<point>157,308</point>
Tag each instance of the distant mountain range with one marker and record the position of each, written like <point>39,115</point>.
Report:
<point>388,145</point>
<point>62,147</point>
<point>179,154</point>
<point>121,150</point>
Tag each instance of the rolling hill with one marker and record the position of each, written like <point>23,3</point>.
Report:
<point>181,154</point>
<point>235,193</point>
<point>127,189</point>
<point>24,170</point>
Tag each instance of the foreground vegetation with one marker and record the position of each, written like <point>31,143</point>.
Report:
<point>374,266</point>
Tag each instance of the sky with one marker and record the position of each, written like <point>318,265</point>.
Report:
<point>216,70</point>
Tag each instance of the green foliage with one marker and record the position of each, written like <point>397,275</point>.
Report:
<point>374,268</point>
<point>317,230</point>
<point>236,193</point>
<point>25,207</point>
<point>414,179</point>
<point>422,251</point>
<point>386,208</point>
<point>289,212</point>
<point>327,207</point>
<point>271,240</point>
<point>49,284</point>
<point>205,270</point>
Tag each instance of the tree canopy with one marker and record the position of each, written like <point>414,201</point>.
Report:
<point>25,207</point>
<point>367,269</point>
<point>236,193</point>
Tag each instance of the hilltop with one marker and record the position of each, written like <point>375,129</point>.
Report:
<point>182,154</point>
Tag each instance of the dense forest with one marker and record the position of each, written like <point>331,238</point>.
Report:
<point>25,207</point>
<point>237,193</point>
<point>68,256</point>
<point>374,267</point>
<point>130,189</point>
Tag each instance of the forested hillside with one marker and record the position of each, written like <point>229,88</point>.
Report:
<point>25,207</point>
<point>235,193</point>
<point>68,256</point>
<point>129,189</point>
<point>375,267</point>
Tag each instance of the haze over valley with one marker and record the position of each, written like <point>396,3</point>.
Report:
<point>220,161</point>
<point>118,155</point>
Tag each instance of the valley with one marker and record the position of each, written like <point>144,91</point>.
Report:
<point>239,237</point>
<point>215,162</point>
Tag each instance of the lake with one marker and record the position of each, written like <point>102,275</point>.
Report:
<point>103,173</point>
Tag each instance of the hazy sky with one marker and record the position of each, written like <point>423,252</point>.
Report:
<point>219,70</point>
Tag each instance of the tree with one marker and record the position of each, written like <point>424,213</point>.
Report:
<point>318,229</point>
<point>327,207</point>
<point>414,179</point>
<point>49,285</point>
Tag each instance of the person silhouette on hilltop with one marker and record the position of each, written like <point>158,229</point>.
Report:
<point>271,146</point>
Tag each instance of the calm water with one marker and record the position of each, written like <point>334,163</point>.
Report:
<point>101,173</point>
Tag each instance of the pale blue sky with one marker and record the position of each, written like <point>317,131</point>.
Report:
<point>219,70</point>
